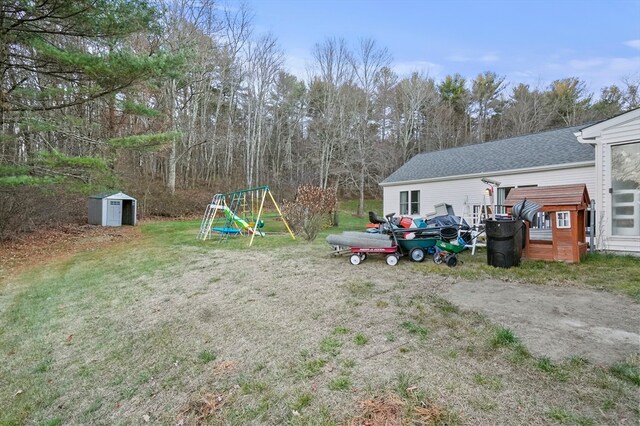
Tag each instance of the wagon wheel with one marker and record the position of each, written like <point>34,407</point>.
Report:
<point>417,254</point>
<point>392,260</point>
<point>363,256</point>
<point>355,259</point>
<point>452,260</point>
<point>438,258</point>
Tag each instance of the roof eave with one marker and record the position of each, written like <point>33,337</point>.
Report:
<point>590,133</point>
<point>494,173</point>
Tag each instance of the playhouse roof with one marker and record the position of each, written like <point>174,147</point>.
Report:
<point>557,195</point>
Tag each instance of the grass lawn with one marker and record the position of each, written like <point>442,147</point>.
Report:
<point>168,329</point>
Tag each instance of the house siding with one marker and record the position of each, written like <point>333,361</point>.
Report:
<point>610,138</point>
<point>624,129</point>
<point>468,191</point>
<point>625,132</point>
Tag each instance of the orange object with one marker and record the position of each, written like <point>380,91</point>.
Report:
<point>406,222</point>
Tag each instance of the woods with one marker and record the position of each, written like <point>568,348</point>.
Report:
<point>174,100</point>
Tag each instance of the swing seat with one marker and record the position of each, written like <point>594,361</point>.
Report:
<point>226,230</point>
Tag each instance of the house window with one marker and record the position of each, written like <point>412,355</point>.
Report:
<point>409,202</point>
<point>563,220</point>
<point>503,192</point>
<point>625,190</point>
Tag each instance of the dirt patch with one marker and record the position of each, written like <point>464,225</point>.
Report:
<point>557,322</point>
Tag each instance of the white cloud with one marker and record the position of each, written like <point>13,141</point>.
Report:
<point>405,69</point>
<point>489,57</point>
<point>635,44</point>
<point>459,58</point>
<point>597,72</point>
<point>586,64</point>
<point>297,62</point>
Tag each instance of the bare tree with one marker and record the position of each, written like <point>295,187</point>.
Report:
<point>526,111</point>
<point>414,97</point>
<point>264,61</point>
<point>368,62</point>
<point>332,70</point>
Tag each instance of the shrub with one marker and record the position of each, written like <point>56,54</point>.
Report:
<point>311,210</point>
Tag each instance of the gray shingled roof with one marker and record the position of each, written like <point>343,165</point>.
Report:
<point>553,147</point>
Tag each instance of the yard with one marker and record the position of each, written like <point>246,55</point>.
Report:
<point>152,326</point>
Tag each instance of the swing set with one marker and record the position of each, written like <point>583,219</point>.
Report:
<point>237,208</point>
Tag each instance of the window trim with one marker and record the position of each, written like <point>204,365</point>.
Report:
<point>560,222</point>
<point>407,206</point>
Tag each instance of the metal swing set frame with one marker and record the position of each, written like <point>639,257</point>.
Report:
<point>234,223</point>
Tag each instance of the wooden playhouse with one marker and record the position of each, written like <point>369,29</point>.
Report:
<point>564,209</point>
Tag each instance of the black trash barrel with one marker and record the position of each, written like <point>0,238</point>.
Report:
<point>504,242</point>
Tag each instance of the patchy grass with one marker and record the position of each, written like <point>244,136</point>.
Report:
<point>545,364</point>
<point>206,356</point>
<point>360,339</point>
<point>301,401</point>
<point>504,337</point>
<point>341,331</point>
<point>360,289</point>
<point>566,417</point>
<point>614,273</point>
<point>330,345</point>
<point>416,329</point>
<point>311,368</point>
<point>187,331</point>
<point>340,384</point>
<point>627,371</point>
<point>490,382</point>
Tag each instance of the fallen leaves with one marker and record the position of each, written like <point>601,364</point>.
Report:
<point>224,366</point>
<point>203,408</point>
<point>43,245</point>
<point>391,410</point>
<point>386,410</point>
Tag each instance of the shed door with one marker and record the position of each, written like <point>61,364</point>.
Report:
<point>114,213</point>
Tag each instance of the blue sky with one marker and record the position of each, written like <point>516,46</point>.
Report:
<point>534,42</point>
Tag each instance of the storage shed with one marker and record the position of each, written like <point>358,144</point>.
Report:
<point>114,209</point>
<point>565,207</point>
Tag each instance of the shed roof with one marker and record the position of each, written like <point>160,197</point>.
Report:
<point>549,148</point>
<point>557,195</point>
<point>113,195</point>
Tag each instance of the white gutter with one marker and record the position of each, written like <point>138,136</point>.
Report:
<point>496,173</point>
<point>582,139</point>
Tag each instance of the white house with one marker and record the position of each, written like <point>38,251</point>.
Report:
<point>617,179</point>
<point>555,157</point>
<point>453,176</point>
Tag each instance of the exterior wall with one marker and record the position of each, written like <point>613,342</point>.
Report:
<point>94,207</point>
<point>459,192</point>
<point>105,206</point>
<point>622,134</point>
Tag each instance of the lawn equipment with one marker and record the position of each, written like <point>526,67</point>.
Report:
<point>360,244</point>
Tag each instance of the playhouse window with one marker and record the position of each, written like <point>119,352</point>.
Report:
<point>409,202</point>
<point>563,220</point>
